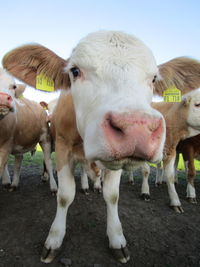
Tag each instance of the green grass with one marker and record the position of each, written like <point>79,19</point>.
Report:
<point>37,159</point>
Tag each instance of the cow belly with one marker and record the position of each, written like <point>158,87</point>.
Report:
<point>18,149</point>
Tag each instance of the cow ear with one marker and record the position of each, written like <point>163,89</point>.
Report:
<point>27,61</point>
<point>20,88</point>
<point>182,72</point>
<point>44,104</point>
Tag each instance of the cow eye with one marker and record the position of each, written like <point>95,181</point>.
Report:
<point>14,87</point>
<point>154,79</point>
<point>75,72</point>
<point>197,105</point>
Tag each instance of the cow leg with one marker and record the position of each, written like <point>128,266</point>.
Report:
<point>6,181</point>
<point>17,168</point>
<point>65,196</point>
<point>117,241</point>
<point>176,168</point>
<point>45,176</point>
<point>46,148</point>
<point>191,194</point>
<point>145,194</point>
<point>159,174</point>
<point>84,181</point>
<point>168,167</point>
<point>131,178</point>
<point>4,153</point>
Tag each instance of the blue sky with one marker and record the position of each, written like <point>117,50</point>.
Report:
<point>170,28</point>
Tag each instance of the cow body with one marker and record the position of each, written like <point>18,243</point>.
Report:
<point>182,122</point>
<point>22,127</point>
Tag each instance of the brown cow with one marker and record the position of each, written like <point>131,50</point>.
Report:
<point>23,125</point>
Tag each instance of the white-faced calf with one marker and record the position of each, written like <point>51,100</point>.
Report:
<point>111,76</point>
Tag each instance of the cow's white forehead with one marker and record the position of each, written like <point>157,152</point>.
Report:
<point>5,80</point>
<point>99,49</point>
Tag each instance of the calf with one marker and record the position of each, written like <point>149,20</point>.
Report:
<point>23,125</point>
<point>182,121</point>
<point>111,76</point>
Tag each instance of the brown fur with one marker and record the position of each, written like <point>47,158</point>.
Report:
<point>27,61</point>
<point>175,115</point>
<point>182,72</point>
<point>63,126</point>
<point>21,131</point>
<point>190,149</point>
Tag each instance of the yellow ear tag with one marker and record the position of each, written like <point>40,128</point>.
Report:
<point>172,94</point>
<point>44,83</point>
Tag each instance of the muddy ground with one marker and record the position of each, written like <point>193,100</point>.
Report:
<point>156,235</point>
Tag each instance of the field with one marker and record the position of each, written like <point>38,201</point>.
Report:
<point>156,235</point>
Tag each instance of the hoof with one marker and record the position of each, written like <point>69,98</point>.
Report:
<point>158,184</point>
<point>54,193</point>
<point>122,255</point>
<point>177,209</point>
<point>48,255</point>
<point>6,187</point>
<point>97,190</point>
<point>85,191</point>
<point>131,182</point>
<point>12,188</point>
<point>145,197</point>
<point>45,177</point>
<point>192,200</point>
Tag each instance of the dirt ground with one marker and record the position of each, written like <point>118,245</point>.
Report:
<point>156,235</point>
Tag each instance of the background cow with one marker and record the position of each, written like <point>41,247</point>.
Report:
<point>23,124</point>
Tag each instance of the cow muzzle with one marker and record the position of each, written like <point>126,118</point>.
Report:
<point>133,136</point>
<point>6,104</point>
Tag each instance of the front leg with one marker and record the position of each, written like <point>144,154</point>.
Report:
<point>168,168</point>
<point>117,241</point>
<point>191,173</point>
<point>145,193</point>
<point>65,196</point>
<point>17,168</point>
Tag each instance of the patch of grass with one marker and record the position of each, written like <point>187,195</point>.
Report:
<point>36,159</point>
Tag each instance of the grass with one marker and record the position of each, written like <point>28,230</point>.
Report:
<point>37,159</point>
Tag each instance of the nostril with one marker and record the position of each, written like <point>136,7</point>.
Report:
<point>9,98</point>
<point>114,126</point>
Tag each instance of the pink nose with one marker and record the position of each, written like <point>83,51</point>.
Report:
<point>5,99</point>
<point>134,135</point>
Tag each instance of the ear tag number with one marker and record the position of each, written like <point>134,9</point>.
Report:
<point>172,94</point>
<point>44,83</point>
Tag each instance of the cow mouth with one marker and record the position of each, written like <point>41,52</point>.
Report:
<point>4,110</point>
<point>126,164</point>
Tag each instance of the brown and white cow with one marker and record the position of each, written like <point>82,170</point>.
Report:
<point>111,76</point>
<point>182,121</point>
<point>23,125</point>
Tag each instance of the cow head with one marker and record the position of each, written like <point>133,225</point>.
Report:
<point>191,103</point>
<point>8,92</point>
<point>111,76</point>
